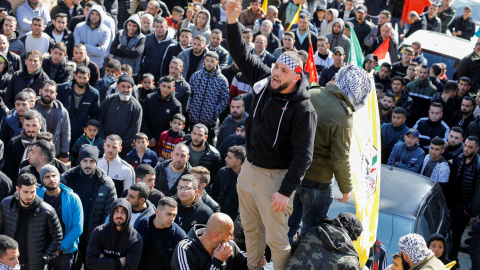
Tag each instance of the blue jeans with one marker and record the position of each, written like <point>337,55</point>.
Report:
<point>62,262</point>
<point>314,200</point>
<point>474,249</point>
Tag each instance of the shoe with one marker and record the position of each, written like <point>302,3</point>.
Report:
<point>467,241</point>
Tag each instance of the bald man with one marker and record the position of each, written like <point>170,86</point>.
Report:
<point>216,239</point>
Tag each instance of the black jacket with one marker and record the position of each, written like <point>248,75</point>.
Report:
<point>471,69</point>
<point>14,62</point>
<point>44,230</point>
<point>190,254</point>
<point>466,26</point>
<point>158,113</point>
<point>362,30</point>
<point>224,191</point>
<point>187,216</point>
<point>161,178</point>
<point>113,244</point>
<point>67,34</point>
<point>102,199</point>
<point>62,8</point>
<point>14,151</point>
<point>6,187</point>
<point>280,130</point>
<point>418,25</point>
<point>169,241</point>
<point>467,181</point>
<point>60,73</point>
<point>429,130</point>
<point>327,75</point>
<point>21,80</point>
<point>87,109</point>
<point>170,53</point>
<point>211,160</point>
<point>405,101</point>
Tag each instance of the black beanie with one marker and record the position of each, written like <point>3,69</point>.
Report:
<point>125,78</point>
<point>241,124</point>
<point>88,151</point>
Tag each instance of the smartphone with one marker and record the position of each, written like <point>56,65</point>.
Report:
<point>190,6</point>
<point>375,58</point>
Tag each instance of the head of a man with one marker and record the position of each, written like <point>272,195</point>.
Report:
<point>215,38</point>
<point>386,30</point>
<point>266,27</point>
<point>302,22</point>
<point>50,177</point>
<point>88,157</point>
<point>361,13</point>
<point>153,8</point>
<point>9,25</point>
<point>237,108</point>
<point>211,61</point>
<point>412,71</point>
<point>467,106</point>
<point>398,263</point>
<point>125,85</point>
<point>112,147</point>
<point>467,12</point>
<point>198,45</point>
<point>48,92</point>
<point>144,173</point>
<point>132,28</point>
<point>288,40</point>
<point>423,74</point>
<point>37,26</point>
<point>219,229</point>
<point>199,135</point>
<point>32,124</point>
<point>146,22</point>
<point>399,116</point>
<point>187,189</point>
<point>22,103</point>
<point>180,156</point>
<point>137,195</point>
<point>81,76</point>
<point>260,44</point>
<point>60,23</point>
<point>384,17</point>
<point>384,71</point>
<point>235,157</point>
<point>58,52</point>
<point>9,252</point>
<point>286,72</point>
<point>41,153</point>
<point>455,137</point>
<point>165,213</point>
<point>94,17</point>
<point>26,189</point>
<point>272,13</point>
<point>470,148</point>
<point>413,17</point>
<point>322,45</point>
<point>80,53</point>
<point>175,68</point>
<point>167,86</point>
<point>417,48</point>
<point>186,38</point>
<point>432,10</point>
<point>407,55</point>
<point>161,27</point>
<point>398,84</point>
<point>436,148</point>
<point>201,19</point>
<point>464,85</point>
<point>203,176</point>
<point>476,49</point>
<point>120,212</point>
<point>388,101</point>
<point>411,138</point>
<point>435,113</point>
<point>33,61</point>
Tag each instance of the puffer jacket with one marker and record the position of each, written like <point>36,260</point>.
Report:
<point>408,158</point>
<point>421,94</point>
<point>44,229</point>
<point>124,11</point>
<point>185,57</point>
<point>209,96</point>
<point>340,39</point>
<point>470,183</point>
<point>60,73</point>
<point>102,200</point>
<point>161,178</point>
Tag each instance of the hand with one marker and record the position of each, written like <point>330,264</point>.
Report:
<point>223,251</point>
<point>279,202</point>
<point>345,198</point>
<point>466,213</point>
<point>133,48</point>
<point>56,254</point>
<point>477,218</point>
<point>152,142</point>
<point>64,159</point>
<point>100,44</point>
<point>233,9</point>
<point>3,14</point>
<point>261,263</point>
<point>375,63</point>
<point>189,14</point>
<point>101,255</point>
<point>459,33</point>
<point>123,261</point>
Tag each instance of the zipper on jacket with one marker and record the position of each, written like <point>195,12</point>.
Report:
<point>280,122</point>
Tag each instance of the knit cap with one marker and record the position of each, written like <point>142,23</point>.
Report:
<point>88,151</point>
<point>46,169</point>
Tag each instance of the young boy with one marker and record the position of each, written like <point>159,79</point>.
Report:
<point>147,87</point>
<point>248,37</point>
<point>90,136</point>
<point>174,19</point>
<point>170,138</point>
<point>141,154</point>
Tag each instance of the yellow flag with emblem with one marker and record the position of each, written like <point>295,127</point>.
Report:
<point>265,6</point>
<point>365,165</point>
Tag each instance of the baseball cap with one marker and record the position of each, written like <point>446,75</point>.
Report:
<point>339,49</point>
<point>362,8</point>
<point>414,132</point>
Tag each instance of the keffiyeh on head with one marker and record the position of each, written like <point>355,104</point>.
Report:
<point>356,83</point>
<point>290,63</point>
<point>415,247</point>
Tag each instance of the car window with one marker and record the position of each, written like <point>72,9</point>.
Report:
<point>436,58</point>
<point>436,212</point>
<point>424,223</point>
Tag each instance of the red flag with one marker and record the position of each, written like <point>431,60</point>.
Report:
<point>311,68</point>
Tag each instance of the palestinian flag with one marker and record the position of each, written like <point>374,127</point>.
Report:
<point>386,53</point>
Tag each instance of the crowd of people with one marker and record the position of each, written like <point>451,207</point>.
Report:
<point>179,135</point>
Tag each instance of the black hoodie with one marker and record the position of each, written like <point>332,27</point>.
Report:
<point>281,128</point>
<point>113,244</point>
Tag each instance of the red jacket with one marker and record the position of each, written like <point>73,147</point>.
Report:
<point>167,142</point>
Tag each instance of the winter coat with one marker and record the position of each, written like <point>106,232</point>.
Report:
<point>72,218</point>
<point>114,244</point>
<point>471,69</point>
<point>60,73</point>
<point>248,17</point>
<point>209,96</point>
<point>273,42</point>
<point>420,24</point>
<point>67,39</point>
<point>274,120</point>
<point>170,53</point>
<point>228,127</point>
<point>161,182</point>
<point>94,71</point>
<point>62,8</point>
<point>327,26</point>
<point>6,186</point>
<point>16,45</point>
<point>434,24</point>
<point>154,53</point>
<point>149,157</point>
<point>429,263</point>
<point>190,254</point>
<point>44,230</point>
<point>429,130</point>
<point>25,14</point>
<point>21,80</point>
<point>123,46</point>
<point>170,240</point>
<point>102,199</point>
<point>87,109</point>
<point>469,182</point>
<point>390,136</point>
<point>185,57</point>
<point>14,151</point>
<point>239,86</point>
<point>421,94</point>
<point>101,34</point>
<point>446,17</point>
<point>130,112</point>
<point>265,57</point>
<point>408,158</point>
<point>158,113</point>
<point>187,216</point>
<point>305,45</point>
<point>361,30</point>
<point>340,39</point>
<point>466,26</point>
<point>14,62</point>
<point>224,191</point>
<point>223,55</point>
<point>406,102</point>
<point>182,93</point>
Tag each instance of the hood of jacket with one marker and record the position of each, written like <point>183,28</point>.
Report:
<point>334,13</point>
<point>135,19</point>
<point>125,204</point>
<point>342,26</point>
<point>207,24</point>
<point>338,93</point>
<point>438,237</point>
<point>98,9</point>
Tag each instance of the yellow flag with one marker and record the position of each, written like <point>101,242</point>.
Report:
<point>265,6</point>
<point>365,164</point>
<point>295,18</point>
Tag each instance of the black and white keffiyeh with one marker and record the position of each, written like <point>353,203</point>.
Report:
<point>289,62</point>
<point>356,83</point>
<point>415,247</point>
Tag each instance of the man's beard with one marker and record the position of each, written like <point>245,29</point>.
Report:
<point>124,97</point>
<point>465,112</point>
<point>199,144</point>
<point>81,85</point>
<point>45,101</point>
<point>386,107</point>
<point>237,116</point>
<point>50,188</point>
<point>279,89</point>
<point>86,173</point>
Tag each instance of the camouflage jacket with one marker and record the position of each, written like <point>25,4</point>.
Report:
<point>325,247</point>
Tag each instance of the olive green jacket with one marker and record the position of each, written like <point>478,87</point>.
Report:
<point>332,137</point>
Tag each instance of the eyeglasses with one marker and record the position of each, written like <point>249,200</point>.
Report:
<point>184,188</point>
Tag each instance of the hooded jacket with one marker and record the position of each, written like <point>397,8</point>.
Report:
<point>129,50</point>
<point>408,158</point>
<point>185,57</point>
<point>154,54</point>
<point>340,39</point>
<point>21,80</point>
<point>209,98</point>
<point>83,139</point>
<point>114,244</point>
<point>44,230</point>
<point>327,25</point>
<point>93,37</point>
<point>280,130</point>
<point>390,136</point>
<point>439,237</point>
<point>72,218</point>
<point>25,14</point>
<point>15,45</point>
<point>158,113</point>
<point>195,31</point>
<point>440,173</point>
<point>421,94</point>
<point>161,182</point>
<point>190,254</point>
